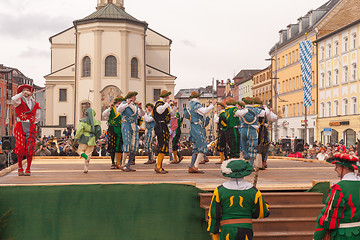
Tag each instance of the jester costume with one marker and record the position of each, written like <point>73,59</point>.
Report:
<point>162,114</point>
<point>340,218</point>
<point>27,115</point>
<point>87,133</point>
<point>114,135</point>
<point>235,203</point>
<point>231,131</point>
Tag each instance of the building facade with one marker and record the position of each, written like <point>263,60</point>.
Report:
<point>262,85</point>
<point>339,85</point>
<point>243,83</point>
<point>10,79</point>
<point>104,55</point>
<point>288,99</point>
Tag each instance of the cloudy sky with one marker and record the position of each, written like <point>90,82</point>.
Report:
<point>211,39</point>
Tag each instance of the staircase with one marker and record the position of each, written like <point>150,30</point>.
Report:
<point>292,215</point>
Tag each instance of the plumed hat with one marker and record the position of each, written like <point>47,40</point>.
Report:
<point>131,94</point>
<point>236,168</point>
<point>21,87</point>
<point>230,101</point>
<point>164,93</point>
<point>195,94</point>
<point>248,100</point>
<point>346,160</point>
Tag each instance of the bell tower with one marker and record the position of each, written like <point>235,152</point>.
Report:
<point>102,3</point>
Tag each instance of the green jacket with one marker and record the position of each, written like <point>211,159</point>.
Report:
<point>89,129</point>
<point>231,120</point>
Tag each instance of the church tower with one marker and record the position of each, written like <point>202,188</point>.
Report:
<point>102,3</point>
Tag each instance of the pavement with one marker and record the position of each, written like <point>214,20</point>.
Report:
<point>281,174</point>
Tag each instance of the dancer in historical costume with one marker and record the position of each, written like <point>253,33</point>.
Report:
<point>232,133</point>
<point>220,120</point>
<point>114,132</point>
<point>162,113</point>
<point>249,126</point>
<point>27,115</point>
<point>87,132</point>
<point>130,131</point>
<point>198,123</point>
<point>149,132</point>
<point>340,218</point>
<point>235,203</point>
<point>263,134</point>
<point>176,140</point>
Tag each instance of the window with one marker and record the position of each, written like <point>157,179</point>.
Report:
<point>184,105</point>
<point>329,78</point>
<point>156,94</point>
<point>289,58</point>
<point>353,75</point>
<point>354,41</point>
<point>86,69</point>
<point>278,88</point>
<point>322,109</point>
<point>328,109</point>
<point>283,61</point>
<point>286,60</point>
<point>297,54</point>
<point>1,92</point>
<point>184,125</point>
<point>336,108</point>
<point>110,66</point>
<point>134,68</point>
<point>336,47</point>
<point>322,53</point>
<point>62,121</point>
<point>57,133</point>
<point>62,95</point>
<point>336,79</point>
<point>346,72</point>
<point>322,83</point>
<point>345,44</point>
<point>329,50</point>
<point>353,105</point>
<point>345,106</point>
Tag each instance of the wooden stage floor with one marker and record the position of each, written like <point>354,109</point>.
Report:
<point>282,174</point>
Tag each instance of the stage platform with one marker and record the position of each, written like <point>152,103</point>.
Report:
<point>281,174</point>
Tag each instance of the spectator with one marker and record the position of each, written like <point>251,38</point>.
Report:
<point>322,155</point>
<point>42,151</point>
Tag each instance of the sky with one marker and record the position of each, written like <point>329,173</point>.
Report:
<point>211,39</point>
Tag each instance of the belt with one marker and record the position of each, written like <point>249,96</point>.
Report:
<point>235,221</point>
<point>349,225</point>
<point>161,121</point>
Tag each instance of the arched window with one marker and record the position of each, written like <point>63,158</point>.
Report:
<point>336,108</point>
<point>346,73</point>
<point>86,68</point>
<point>322,109</point>
<point>349,137</point>
<point>353,105</point>
<point>110,66</point>
<point>328,109</point>
<point>345,106</point>
<point>322,84</point>
<point>353,72</point>
<point>336,77</point>
<point>336,48</point>
<point>354,41</point>
<point>134,68</point>
<point>329,79</point>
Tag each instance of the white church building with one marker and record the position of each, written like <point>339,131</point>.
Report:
<point>100,57</point>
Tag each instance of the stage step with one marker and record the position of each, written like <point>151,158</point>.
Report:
<point>292,215</point>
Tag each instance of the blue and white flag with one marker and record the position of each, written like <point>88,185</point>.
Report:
<point>306,70</point>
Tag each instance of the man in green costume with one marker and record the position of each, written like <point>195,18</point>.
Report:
<point>114,132</point>
<point>231,131</point>
<point>235,203</point>
<point>340,218</point>
<point>87,132</point>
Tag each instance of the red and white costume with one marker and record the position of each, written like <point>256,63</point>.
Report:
<point>27,115</point>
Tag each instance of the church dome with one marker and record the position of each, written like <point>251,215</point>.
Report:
<point>110,13</point>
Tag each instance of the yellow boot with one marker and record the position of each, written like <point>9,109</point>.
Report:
<point>158,168</point>
<point>222,157</point>
<point>118,160</point>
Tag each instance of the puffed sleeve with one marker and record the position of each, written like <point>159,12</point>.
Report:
<point>214,213</point>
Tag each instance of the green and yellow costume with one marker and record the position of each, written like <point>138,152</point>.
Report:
<point>235,203</point>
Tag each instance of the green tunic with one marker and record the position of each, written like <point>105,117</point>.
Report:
<point>235,204</point>
<point>114,131</point>
<point>342,206</point>
<point>89,129</point>
<point>231,119</point>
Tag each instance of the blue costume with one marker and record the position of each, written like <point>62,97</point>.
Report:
<point>198,131</point>
<point>149,135</point>
<point>129,129</point>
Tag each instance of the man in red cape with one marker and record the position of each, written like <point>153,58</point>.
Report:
<point>27,115</point>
